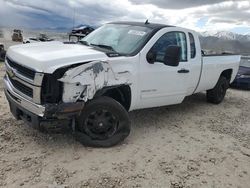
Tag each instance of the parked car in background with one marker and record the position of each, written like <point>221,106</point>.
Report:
<point>82,29</point>
<point>2,52</point>
<point>80,32</point>
<point>17,35</point>
<point>242,79</point>
<point>40,38</point>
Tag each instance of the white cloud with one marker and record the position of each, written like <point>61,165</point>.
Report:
<point>218,14</point>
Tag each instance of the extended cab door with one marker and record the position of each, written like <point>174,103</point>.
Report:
<point>194,62</point>
<point>160,84</point>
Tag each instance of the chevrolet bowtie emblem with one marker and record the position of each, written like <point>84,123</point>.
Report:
<point>10,73</point>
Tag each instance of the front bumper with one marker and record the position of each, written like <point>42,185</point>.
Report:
<point>46,116</point>
<point>20,100</point>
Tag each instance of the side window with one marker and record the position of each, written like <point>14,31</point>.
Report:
<point>192,45</point>
<point>171,38</point>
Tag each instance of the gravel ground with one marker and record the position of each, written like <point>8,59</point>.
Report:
<point>194,144</point>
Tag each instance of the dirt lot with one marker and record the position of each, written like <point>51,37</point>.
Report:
<point>194,145</point>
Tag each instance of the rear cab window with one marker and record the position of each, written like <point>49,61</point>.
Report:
<point>192,46</point>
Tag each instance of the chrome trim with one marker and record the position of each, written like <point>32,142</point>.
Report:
<point>33,84</point>
<point>15,89</point>
<point>14,77</point>
<point>23,102</point>
<point>36,90</point>
<point>37,95</point>
<point>9,68</point>
<point>37,79</point>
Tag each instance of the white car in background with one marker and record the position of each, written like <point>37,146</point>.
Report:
<point>40,38</point>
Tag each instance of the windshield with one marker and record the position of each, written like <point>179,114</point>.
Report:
<point>123,39</point>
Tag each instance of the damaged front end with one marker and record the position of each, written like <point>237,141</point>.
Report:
<point>63,110</point>
<point>64,94</point>
<point>82,82</point>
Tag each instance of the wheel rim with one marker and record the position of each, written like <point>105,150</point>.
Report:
<point>101,124</point>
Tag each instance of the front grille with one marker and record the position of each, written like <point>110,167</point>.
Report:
<point>29,73</point>
<point>22,88</point>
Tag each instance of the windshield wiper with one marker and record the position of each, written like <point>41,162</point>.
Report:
<point>104,46</point>
<point>84,42</point>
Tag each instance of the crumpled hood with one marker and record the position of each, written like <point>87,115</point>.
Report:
<point>48,56</point>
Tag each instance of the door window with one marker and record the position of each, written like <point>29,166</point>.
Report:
<point>192,46</point>
<point>170,38</point>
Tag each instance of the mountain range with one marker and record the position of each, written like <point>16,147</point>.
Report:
<point>224,41</point>
<point>213,41</point>
<point>226,35</point>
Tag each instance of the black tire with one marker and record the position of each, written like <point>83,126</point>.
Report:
<point>2,55</point>
<point>103,123</point>
<point>217,94</point>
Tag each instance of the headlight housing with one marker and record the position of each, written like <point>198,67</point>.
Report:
<point>52,89</point>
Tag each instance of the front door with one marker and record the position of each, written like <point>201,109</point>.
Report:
<point>161,84</point>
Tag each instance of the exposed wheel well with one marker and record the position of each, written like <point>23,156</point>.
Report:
<point>227,74</point>
<point>121,94</point>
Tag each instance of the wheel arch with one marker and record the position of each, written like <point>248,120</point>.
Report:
<point>120,93</point>
<point>227,74</point>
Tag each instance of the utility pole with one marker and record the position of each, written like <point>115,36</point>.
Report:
<point>74,17</point>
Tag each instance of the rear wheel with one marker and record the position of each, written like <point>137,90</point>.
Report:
<point>217,94</point>
<point>103,123</point>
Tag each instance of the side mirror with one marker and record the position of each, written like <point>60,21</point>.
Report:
<point>172,55</point>
<point>151,57</point>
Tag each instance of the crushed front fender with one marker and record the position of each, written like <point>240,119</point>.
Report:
<point>94,76</point>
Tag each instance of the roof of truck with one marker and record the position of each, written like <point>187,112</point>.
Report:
<point>143,24</point>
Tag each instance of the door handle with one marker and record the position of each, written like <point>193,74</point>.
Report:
<point>183,71</point>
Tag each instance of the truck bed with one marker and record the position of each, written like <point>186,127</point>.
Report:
<point>213,66</point>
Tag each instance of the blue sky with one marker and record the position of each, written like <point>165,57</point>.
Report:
<point>198,15</point>
<point>202,22</point>
<point>241,30</point>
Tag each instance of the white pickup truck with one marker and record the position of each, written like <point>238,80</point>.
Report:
<point>122,66</point>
